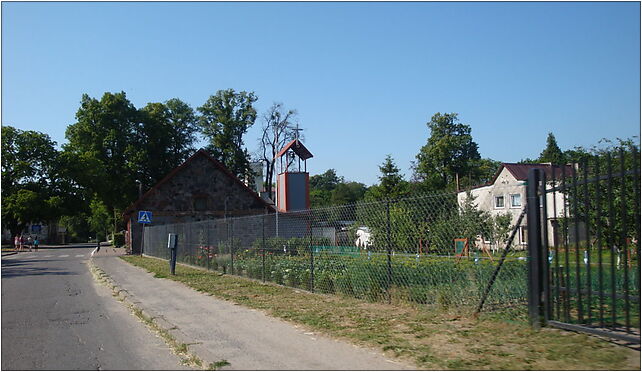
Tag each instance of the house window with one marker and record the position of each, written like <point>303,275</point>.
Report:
<point>499,201</point>
<point>200,203</point>
<point>523,234</point>
<point>515,200</point>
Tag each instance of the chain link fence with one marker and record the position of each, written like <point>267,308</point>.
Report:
<point>436,249</point>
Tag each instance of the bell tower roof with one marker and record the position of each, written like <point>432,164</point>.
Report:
<point>298,149</point>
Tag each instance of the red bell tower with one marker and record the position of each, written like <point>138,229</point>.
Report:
<point>292,184</point>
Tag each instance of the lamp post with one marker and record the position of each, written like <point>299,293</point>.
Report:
<point>140,189</point>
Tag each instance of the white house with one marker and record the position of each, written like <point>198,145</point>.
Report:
<point>506,193</point>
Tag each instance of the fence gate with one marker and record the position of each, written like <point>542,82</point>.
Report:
<point>584,246</point>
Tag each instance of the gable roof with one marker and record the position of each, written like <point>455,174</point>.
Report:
<point>200,153</point>
<point>520,171</point>
<point>298,149</point>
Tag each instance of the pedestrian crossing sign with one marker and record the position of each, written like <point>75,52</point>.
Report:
<point>144,217</point>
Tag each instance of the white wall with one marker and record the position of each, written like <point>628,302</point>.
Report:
<point>505,185</point>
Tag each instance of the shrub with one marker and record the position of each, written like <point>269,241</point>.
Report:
<point>119,239</point>
<point>325,282</point>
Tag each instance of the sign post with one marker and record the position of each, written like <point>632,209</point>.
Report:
<point>144,218</point>
<point>172,245</point>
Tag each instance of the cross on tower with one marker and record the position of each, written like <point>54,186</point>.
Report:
<point>296,132</point>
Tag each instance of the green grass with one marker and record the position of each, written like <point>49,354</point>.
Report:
<point>429,337</point>
<point>218,365</point>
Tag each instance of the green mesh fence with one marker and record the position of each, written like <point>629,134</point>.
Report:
<point>437,249</point>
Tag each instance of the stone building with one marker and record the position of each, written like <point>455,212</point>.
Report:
<point>199,189</point>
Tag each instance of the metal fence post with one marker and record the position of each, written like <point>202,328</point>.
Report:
<point>231,246</point>
<point>311,255</point>
<point>208,251</point>
<point>263,248</point>
<point>389,278</point>
<point>544,267</point>
<point>534,249</point>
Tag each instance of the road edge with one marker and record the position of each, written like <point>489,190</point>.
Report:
<point>190,350</point>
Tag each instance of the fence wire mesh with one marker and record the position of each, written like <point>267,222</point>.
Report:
<point>436,249</point>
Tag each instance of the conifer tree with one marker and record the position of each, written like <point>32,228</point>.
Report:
<point>552,152</point>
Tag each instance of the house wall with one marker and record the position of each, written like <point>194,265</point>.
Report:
<point>506,185</point>
<point>200,183</point>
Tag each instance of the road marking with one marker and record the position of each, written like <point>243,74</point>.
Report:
<point>31,256</point>
<point>80,255</point>
<point>49,255</point>
<point>64,255</point>
<point>94,251</point>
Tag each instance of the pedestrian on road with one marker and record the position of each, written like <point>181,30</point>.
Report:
<point>29,242</point>
<point>16,243</point>
<point>35,243</point>
<point>22,242</point>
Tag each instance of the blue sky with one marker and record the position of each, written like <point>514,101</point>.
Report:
<point>364,77</point>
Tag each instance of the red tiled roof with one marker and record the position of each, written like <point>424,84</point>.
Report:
<point>520,171</point>
<point>134,206</point>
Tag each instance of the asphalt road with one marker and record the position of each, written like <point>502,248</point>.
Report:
<point>55,317</point>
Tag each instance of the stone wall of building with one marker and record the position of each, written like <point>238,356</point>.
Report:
<point>197,191</point>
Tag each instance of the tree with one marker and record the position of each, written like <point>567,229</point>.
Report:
<point>450,150</point>
<point>113,144</point>
<point>27,157</point>
<point>592,203</point>
<point>391,182</point>
<point>164,139</point>
<point>225,118</point>
<point>29,178</point>
<point>327,181</point>
<point>183,128</point>
<point>528,161</point>
<point>552,153</point>
<point>102,147</point>
<point>321,186</point>
<point>276,132</point>
<point>578,154</point>
<point>347,193</point>
<point>100,218</point>
<point>482,171</point>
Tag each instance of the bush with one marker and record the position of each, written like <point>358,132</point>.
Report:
<point>324,282</point>
<point>119,239</point>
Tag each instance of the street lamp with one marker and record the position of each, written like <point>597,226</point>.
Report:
<point>140,189</point>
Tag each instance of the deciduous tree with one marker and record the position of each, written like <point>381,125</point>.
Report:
<point>101,144</point>
<point>276,132</point>
<point>164,139</point>
<point>450,150</point>
<point>225,118</point>
<point>29,183</point>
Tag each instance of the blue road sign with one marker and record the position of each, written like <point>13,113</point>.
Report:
<point>144,216</point>
<point>36,228</point>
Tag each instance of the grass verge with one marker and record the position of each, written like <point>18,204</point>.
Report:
<point>180,349</point>
<point>428,337</point>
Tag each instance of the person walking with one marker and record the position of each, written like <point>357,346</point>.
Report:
<point>35,243</point>
<point>29,242</point>
<point>22,242</point>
